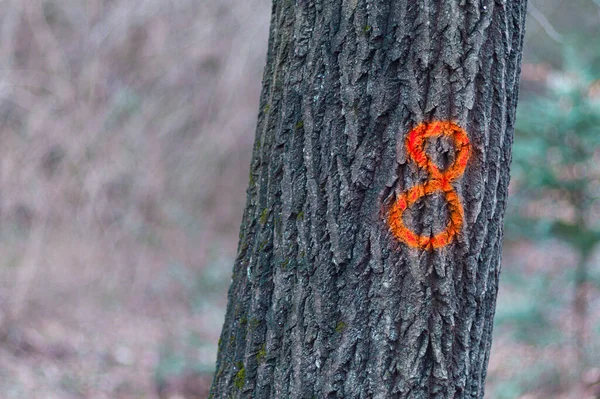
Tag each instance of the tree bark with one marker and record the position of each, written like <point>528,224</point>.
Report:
<point>326,301</point>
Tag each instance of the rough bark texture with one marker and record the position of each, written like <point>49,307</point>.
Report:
<point>325,302</point>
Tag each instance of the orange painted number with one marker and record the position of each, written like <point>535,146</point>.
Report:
<point>438,181</point>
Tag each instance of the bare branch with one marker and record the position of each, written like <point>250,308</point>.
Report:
<point>543,21</point>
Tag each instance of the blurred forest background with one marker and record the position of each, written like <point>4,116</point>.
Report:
<point>126,129</point>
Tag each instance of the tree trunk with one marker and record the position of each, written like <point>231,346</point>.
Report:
<point>349,281</point>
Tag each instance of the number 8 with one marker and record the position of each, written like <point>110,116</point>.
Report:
<point>438,181</point>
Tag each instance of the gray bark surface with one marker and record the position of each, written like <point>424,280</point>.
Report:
<point>325,302</point>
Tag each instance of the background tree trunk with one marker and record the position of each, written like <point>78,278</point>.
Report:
<point>324,300</point>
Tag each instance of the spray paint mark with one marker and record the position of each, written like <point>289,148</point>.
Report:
<point>438,181</point>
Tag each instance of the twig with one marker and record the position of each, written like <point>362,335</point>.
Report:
<point>543,21</point>
<point>597,3</point>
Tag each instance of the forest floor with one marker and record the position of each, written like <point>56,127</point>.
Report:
<point>149,334</point>
<point>154,334</point>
